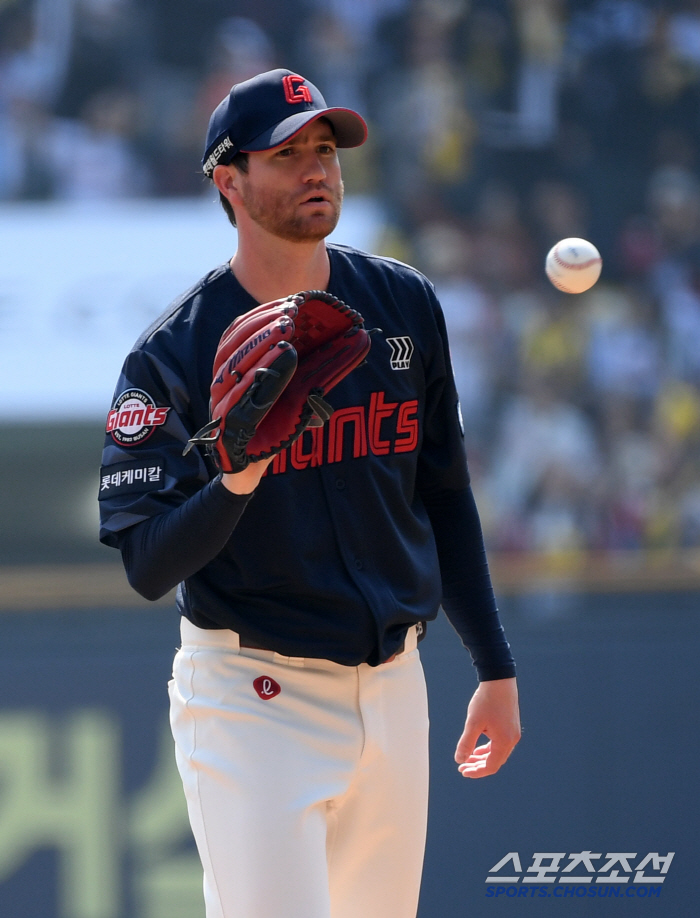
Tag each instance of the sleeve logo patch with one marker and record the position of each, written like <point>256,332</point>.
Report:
<point>130,478</point>
<point>134,417</point>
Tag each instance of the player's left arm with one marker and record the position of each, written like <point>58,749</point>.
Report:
<point>494,713</point>
<point>468,597</point>
<point>470,605</point>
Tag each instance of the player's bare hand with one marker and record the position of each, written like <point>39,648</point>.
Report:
<point>246,482</point>
<point>494,713</point>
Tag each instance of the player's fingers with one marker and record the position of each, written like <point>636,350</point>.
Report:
<point>467,743</point>
<point>475,770</point>
<point>487,759</point>
<point>477,761</point>
<point>481,767</point>
<point>480,752</point>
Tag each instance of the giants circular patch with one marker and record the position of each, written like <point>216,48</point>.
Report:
<point>134,417</point>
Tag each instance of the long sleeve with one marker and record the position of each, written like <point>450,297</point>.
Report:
<point>468,597</point>
<point>166,549</point>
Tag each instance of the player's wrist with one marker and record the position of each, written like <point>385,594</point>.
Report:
<point>247,480</point>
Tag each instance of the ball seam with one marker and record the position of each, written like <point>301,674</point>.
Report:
<point>574,267</point>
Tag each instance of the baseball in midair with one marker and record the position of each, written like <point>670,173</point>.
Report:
<point>573,265</point>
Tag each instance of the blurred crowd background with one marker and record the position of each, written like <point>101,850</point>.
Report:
<point>497,127</point>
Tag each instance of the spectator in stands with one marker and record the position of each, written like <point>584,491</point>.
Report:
<point>446,253</point>
<point>624,354</point>
<point>92,158</point>
<point>538,431</point>
<point>35,42</point>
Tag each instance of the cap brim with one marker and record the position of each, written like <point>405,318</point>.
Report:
<point>349,128</point>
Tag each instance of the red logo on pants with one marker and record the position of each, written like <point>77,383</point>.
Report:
<point>266,687</point>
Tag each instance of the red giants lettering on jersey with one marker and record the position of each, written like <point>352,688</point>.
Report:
<point>383,428</point>
<point>134,417</point>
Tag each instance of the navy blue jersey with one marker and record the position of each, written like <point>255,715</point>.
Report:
<point>341,547</point>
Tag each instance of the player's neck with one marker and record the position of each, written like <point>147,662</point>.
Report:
<point>280,268</point>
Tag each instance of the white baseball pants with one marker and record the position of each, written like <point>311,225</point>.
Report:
<point>306,781</point>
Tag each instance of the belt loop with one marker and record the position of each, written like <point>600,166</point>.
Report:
<point>289,661</point>
<point>411,641</point>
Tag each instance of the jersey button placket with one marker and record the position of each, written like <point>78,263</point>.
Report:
<point>340,485</point>
<point>353,562</point>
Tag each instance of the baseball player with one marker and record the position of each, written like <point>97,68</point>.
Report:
<point>285,445</point>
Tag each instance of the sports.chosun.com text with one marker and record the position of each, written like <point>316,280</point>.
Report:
<point>568,892</point>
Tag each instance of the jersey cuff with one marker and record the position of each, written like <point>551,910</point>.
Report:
<point>492,673</point>
<point>221,492</point>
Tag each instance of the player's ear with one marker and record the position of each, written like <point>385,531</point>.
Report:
<point>226,179</point>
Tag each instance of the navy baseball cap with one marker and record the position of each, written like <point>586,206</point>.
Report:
<point>265,111</point>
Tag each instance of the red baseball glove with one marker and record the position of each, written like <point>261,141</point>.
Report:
<point>272,369</point>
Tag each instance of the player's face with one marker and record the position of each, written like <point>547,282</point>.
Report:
<point>295,191</point>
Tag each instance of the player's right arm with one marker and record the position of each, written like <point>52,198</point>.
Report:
<point>175,423</point>
<point>169,514</point>
<point>161,552</point>
<point>164,550</point>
